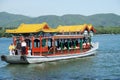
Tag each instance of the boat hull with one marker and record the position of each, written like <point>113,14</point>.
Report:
<point>39,59</point>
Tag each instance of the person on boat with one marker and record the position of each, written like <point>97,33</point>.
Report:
<point>49,44</point>
<point>84,45</point>
<point>12,49</point>
<point>29,51</point>
<point>23,46</point>
<point>18,48</point>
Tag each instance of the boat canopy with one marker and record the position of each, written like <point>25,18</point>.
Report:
<point>76,28</point>
<point>43,27</point>
<point>32,28</point>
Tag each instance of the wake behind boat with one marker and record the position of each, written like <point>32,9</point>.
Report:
<point>43,44</point>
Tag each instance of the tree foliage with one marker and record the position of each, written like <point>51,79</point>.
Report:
<point>107,30</point>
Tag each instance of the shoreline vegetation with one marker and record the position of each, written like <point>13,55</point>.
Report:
<point>107,30</point>
<point>99,30</point>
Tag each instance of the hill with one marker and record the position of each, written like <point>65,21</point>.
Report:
<point>13,20</point>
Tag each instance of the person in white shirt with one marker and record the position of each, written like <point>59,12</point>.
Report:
<point>23,46</point>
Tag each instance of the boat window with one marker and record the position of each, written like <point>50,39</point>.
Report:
<point>18,41</point>
<point>57,43</point>
<point>49,43</point>
<point>43,42</point>
<point>78,33</point>
<point>73,33</point>
<point>28,41</point>
<point>66,33</point>
<point>76,42</point>
<point>36,43</point>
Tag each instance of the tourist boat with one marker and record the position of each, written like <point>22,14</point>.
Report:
<point>51,44</point>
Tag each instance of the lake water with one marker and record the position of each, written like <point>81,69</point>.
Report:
<point>105,65</point>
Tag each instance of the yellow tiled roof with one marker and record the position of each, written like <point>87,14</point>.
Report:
<point>31,28</point>
<point>75,28</point>
<point>34,28</point>
<point>90,27</point>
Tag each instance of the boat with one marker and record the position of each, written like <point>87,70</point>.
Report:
<point>46,44</point>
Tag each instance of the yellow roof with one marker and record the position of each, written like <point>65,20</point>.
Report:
<point>75,28</point>
<point>91,28</point>
<point>50,30</point>
<point>32,28</point>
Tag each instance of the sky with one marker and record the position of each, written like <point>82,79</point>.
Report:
<point>35,8</point>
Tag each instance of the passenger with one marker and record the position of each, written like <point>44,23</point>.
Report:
<point>65,47</point>
<point>23,46</point>
<point>76,43</point>
<point>18,48</point>
<point>29,51</point>
<point>12,49</point>
<point>84,45</point>
<point>70,44</point>
<point>88,45</point>
<point>49,44</point>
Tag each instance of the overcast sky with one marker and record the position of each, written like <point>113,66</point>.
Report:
<point>36,8</point>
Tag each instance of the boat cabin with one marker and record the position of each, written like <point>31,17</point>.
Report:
<point>43,40</point>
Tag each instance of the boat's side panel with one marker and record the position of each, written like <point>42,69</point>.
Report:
<point>39,59</point>
<point>14,59</point>
<point>54,58</point>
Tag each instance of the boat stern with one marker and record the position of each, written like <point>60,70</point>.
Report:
<point>18,59</point>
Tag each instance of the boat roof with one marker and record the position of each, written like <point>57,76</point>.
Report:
<point>32,28</point>
<point>76,28</point>
<point>43,27</point>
